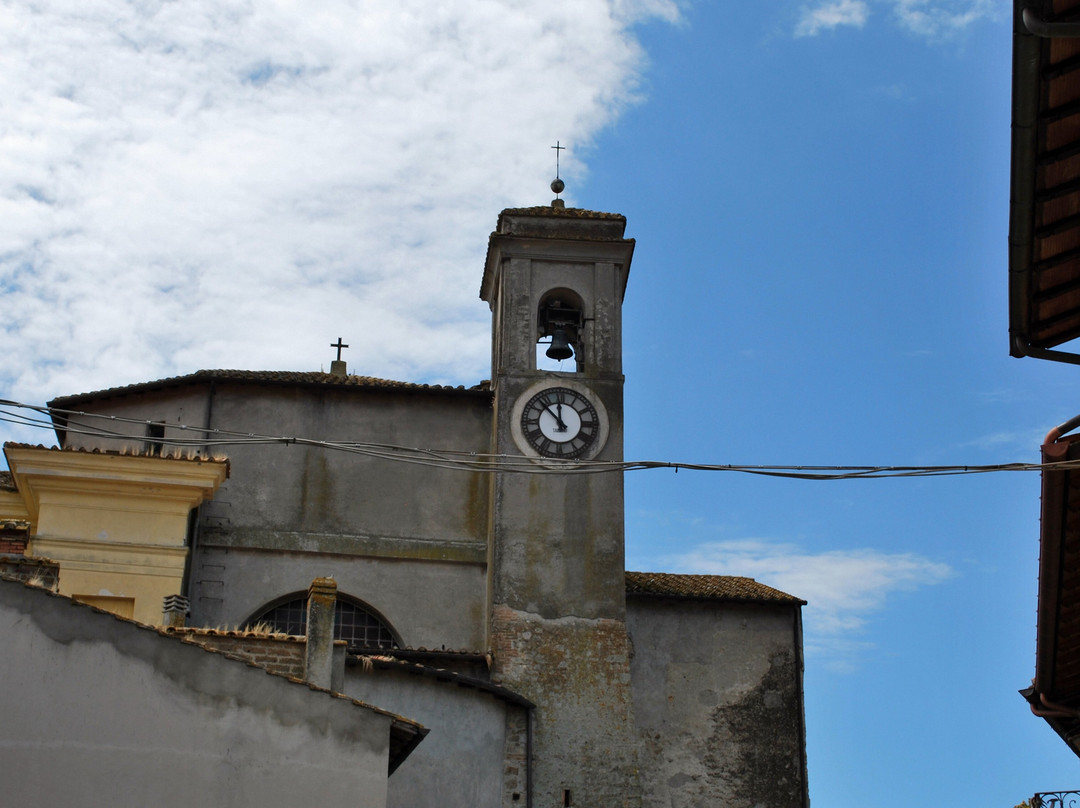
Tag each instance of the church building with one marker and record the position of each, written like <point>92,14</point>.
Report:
<point>476,539</point>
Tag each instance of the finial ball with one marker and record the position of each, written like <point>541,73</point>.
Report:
<point>557,185</point>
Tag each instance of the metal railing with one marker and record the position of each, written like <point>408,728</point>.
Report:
<point>1056,799</point>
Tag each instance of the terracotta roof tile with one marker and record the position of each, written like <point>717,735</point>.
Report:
<point>180,455</point>
<point>543,222</point>
<point>389,662</point>
<point>291,378</point>
<point>195,631</point>
<point>564,213</point>
<point>704,587</point>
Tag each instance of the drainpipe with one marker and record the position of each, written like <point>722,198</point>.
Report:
<point>1062,429</point>
<point>195,522</point>
<point>799,691</point>
<point>529,757</point>
<point>1059,30</point>
<point>1053,710</point>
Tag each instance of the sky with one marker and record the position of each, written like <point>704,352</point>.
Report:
<point>819,193</point>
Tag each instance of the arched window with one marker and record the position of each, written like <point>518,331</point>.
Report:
<point>356,623</point>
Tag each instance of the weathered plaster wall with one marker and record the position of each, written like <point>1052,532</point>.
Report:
<point>99,711</point>
<point>429,604</point>
<point>177,406</point>
<point>384,530</point>
<point>559,538</point>
<point>317,491</point>
<point>717,703</point>
<point>462,759</point>
<point>309,490</point>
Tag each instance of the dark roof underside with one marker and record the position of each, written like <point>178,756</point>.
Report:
<point>1044,227</point>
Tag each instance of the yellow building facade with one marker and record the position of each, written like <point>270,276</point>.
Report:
<point>115,524</point>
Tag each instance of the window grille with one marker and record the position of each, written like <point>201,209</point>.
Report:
<point>359,627</point>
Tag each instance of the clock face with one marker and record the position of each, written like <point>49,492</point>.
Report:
<point>560,422</point>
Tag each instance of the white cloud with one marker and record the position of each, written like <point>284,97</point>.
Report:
<point>932,19</point>
<point>215,184</point>
<point>832,15</point>
<point>842,587</point>
<point>940,19</point>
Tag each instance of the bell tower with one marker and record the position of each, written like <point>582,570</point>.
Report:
<point>554,279</point>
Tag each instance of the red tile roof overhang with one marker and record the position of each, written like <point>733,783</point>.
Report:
<point>718,588</point>
<point>1055,691</point>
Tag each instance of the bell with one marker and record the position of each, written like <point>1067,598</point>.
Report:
<point>560,346</point>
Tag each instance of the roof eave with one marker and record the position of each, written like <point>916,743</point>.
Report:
<point>1025,101</point>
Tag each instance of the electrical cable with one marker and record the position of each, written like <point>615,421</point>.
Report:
<point>467,461</point>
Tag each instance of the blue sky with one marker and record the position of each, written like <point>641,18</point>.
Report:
<point>821,280</point>
<point>819,194</point>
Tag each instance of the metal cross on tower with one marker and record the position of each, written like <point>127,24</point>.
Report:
<point>557,149</point>
<point>339,345</point>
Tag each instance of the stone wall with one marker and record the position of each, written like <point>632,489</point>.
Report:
<point>577,673</point>
<point>717,691</point>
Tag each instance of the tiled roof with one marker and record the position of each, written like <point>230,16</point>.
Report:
<point>389,661</point>
<point>704,587</point>
<point>197,631</point>
<point>430,653</point>
<point>7,482</point>
<point>564,213</point>
<point>177,454</point>
<point>290,378</point>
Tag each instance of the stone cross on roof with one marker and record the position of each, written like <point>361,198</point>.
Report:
<point>337,367</point>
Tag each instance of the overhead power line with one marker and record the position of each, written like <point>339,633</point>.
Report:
<point>96,425</point>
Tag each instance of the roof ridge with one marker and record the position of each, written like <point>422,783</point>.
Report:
<point>279,377</point>
<point>389,661</point>
<point>700,586</point>
<point>163,631</point>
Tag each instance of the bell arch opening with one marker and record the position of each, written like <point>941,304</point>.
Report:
<point>560,319</point>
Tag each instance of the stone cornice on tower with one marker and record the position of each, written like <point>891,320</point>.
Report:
<point>597,232</point>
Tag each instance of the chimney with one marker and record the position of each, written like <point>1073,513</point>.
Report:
<point>319,665</point>
<point>174,611</point>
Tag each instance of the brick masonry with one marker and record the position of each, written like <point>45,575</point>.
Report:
<point>516,768</point>
<point>281,654</point>
<point>578,673</point>
<point>39,571</point>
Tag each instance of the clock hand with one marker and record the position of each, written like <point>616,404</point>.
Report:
<point>560,426</point>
